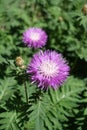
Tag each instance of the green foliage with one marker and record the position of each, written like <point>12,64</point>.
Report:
<point>7,88</point>
<point>8,121</point>
<point>66,25</point>
<point>55,107</point>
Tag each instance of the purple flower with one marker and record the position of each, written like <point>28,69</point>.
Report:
<point>35,37</point>
<point>48,69</point>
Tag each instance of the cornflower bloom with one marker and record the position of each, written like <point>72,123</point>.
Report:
<point>48,69</point>
<point>35,37</point>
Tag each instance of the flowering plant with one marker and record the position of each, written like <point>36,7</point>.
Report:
<point>43,54</point>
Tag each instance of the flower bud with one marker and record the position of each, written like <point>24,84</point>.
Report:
<point>60,18</point>
<point>84,9</point>
<point>23,67</point>
<point>19,61</point>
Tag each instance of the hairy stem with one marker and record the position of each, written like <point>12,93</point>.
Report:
<point>26,93</point>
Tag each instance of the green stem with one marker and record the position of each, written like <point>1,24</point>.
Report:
<point>26,93</point>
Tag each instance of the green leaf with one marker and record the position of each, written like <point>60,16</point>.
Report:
<point>7,88</point>
<point>8,121</point>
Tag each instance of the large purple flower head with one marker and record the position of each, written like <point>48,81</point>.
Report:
<point>35,37</point>
<point>48,69</point>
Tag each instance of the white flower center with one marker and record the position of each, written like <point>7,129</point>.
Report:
<point>34,36</point>
<point>48,68</point>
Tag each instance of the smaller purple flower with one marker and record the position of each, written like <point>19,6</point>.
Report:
<point>35,37</point>
<point>48,69</point>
